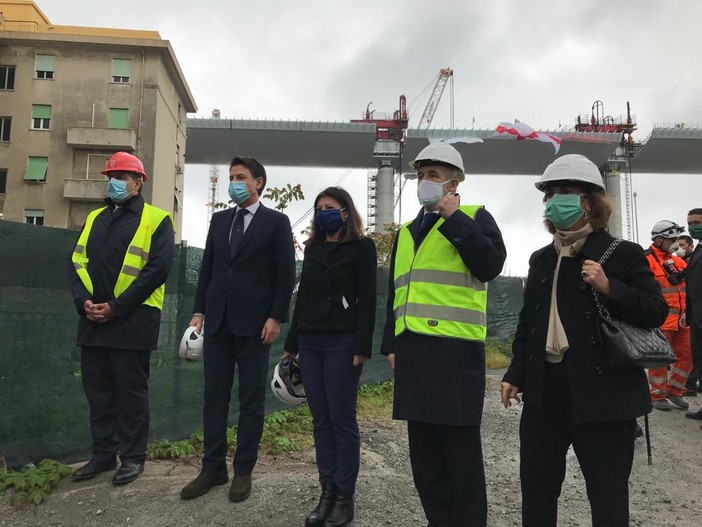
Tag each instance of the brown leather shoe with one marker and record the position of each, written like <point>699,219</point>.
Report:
<point>203,483</point>
<point>240,489</point>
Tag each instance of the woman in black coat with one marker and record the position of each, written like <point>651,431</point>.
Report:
<point>571,395</point>
<point>332,333</point>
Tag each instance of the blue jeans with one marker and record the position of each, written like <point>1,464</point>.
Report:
<point>331,387</point>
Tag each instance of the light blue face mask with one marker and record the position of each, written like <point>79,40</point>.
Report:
<point>238,192</point>
<point>117,190</point>
<point>564,210</point>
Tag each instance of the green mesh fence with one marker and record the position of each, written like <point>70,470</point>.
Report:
<point>43,411</point>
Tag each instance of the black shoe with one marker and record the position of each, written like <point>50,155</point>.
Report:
<point>342,511</point>
<point>92,468</point>
<point>678,402</point>
<point>321,511</point>
<point>127,473</point>
<point>695,415</point>
<point>690,392</point>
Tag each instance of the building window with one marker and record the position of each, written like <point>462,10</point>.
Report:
<point>7,77</point>
<point>36,168</point>
<point>3,181</point>
<point>44,67</point>
<point>5,124</point>
<point>121,70</point>
<point>34,216</point>
<point>119,118</point>
<point>41,116</point>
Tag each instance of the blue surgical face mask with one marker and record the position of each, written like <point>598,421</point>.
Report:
<point>329,220</point>
<point>238,192</point>
<point>117,190</point>
<point>564,210</point>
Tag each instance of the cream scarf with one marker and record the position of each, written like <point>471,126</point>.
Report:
<point>568,244</point>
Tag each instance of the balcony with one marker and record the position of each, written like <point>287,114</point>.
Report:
<point>84,189</point>
<point>102,138</point>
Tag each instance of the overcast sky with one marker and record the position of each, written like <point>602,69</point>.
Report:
<point>542,62</point>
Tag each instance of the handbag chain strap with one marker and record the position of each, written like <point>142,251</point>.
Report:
<point>602,310</point>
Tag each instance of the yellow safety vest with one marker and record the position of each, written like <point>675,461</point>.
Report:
<point>435,293</point>
<point>135,259</point>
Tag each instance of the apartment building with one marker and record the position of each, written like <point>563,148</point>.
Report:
<point>69,98</point>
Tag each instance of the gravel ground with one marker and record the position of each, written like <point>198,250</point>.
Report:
<point>668,493</point>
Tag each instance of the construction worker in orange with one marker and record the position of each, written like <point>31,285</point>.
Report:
<point>668,387</point>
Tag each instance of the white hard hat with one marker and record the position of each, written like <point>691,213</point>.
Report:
<point>287,382</point>
<point>571,167</point>
<point>191,345</point>
<point>439,154</point>
<point>667,229</point>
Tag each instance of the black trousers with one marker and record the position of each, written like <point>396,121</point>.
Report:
<point>605,452</point>
<point>447,466</point>
<point>223,352</point>
<point>116,385</point>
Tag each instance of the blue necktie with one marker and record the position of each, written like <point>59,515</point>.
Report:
<point>237,232</point>
<point>428,221</point>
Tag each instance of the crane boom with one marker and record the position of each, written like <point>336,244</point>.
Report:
<point>444,75</point>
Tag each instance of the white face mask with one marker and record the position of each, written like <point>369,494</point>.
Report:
<point>430,193</point>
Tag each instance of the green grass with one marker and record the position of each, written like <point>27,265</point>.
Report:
<point>498,353</point>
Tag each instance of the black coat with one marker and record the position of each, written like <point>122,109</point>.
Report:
<point>441,380</point>
<point>598,393</point>
<point>135,325</point>
<point>693,288</point>
<point>337,293</point>
<point>253,286</point>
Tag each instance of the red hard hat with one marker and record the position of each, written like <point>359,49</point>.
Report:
<point>125,162</point>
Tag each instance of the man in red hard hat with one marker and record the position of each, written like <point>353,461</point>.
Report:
<point>117,273</point>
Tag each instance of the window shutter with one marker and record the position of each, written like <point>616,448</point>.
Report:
<point>36,168</point>
<point>41,111</point>
<point>121,68</point>
<point>119,118</point>
<point>45,63</point>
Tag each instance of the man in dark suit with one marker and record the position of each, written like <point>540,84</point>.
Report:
<point>246,281</point>
<point>694,297</point>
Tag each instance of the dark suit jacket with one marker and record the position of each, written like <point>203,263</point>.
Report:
<point>331,274</point>
<point>253,286</point>
<point>694,288</point>
<point>597,393</point>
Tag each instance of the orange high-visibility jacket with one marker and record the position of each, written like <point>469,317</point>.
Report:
<point>674,294</point>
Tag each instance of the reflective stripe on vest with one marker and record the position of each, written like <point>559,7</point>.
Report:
<point>435,293</point>
<point>136,257</point>
<point>674,295</point>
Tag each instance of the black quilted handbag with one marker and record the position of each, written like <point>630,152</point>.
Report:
<point>630,347</point>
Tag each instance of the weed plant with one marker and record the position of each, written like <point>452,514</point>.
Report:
<point>34,484</point>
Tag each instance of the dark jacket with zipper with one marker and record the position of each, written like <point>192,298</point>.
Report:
<point>135,326</point>
<point>337,292</point>
<point>597,392</point>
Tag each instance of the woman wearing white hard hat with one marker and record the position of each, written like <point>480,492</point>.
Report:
<point>571,395</point>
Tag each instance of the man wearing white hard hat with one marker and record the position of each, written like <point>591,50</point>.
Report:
<point>668,386</point>
<point>434,337</point>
